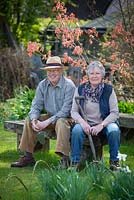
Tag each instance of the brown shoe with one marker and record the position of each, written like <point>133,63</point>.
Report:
<point>23,162</point>
<point>114,165</point>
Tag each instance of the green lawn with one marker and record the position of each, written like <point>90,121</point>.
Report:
<point>11,187</point>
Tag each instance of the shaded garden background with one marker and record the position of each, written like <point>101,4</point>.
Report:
<point>21,22</point>
<point>54,27</point>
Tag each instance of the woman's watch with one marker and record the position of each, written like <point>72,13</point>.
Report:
<point>102,124</point>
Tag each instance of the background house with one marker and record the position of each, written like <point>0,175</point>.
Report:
<point>114,13</point>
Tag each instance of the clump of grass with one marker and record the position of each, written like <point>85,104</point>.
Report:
<point>87,184</point>
<point>64,185</point>
<point>121,186</point>
<point>97,173</point>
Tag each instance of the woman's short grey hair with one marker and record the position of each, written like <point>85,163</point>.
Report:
<point>95,64</point>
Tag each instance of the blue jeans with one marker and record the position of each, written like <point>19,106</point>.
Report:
<point>112,133</point>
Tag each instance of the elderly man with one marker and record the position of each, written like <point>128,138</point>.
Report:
<point>54,94</point>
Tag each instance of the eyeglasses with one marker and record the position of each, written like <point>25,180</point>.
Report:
<point>53,71</point>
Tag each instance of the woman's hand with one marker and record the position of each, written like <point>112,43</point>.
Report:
<point>96,129</point>
<point>39,125</point>
<point>86,127</point>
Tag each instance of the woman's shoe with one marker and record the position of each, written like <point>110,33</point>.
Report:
<point>74,166</point>
<point>64,163</point>
<point>114,165</point>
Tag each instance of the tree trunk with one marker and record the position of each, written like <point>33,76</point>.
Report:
<point>6,33</point>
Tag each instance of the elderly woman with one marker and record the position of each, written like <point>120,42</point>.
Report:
<point>101,109</point>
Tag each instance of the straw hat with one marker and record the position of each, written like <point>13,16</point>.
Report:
<point>53,62</point>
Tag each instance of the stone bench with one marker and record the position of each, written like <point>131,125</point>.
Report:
<point>126,121</point>
<point>126,125</point>
<point>17,127</point>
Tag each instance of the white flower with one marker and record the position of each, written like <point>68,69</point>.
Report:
<point>122,156</point>
<point>127,169</point>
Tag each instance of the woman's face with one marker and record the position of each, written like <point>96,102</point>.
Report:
<point>95,77</point>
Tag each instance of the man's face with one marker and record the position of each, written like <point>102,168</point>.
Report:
<point>54,75</point>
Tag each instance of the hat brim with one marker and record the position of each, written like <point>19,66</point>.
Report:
<point>53,67</point>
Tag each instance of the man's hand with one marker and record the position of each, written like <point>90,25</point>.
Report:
<point>96,129</point>
<point>39,125</point>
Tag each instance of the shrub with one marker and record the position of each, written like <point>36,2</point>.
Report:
<point>126,107</point>
<point>14,71</point>
<point>18,107</point>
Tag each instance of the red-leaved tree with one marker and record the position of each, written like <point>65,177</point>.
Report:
<point>117,50</point>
